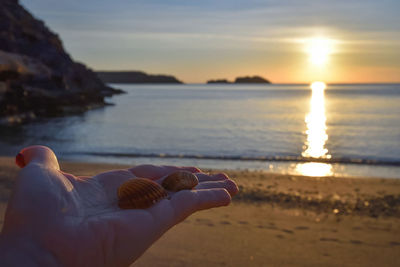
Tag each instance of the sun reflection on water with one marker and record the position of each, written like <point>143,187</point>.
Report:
<point>314,169</point>
<point>316,124</point>
<point>316,135</point>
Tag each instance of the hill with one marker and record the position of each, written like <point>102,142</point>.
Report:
<point>134,77</point>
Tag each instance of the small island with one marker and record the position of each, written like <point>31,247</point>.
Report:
<point>245,79</point>
<point>134,77</point>
<point>218,81</point>
<point>254,79</point>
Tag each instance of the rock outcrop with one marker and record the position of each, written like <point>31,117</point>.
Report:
<point>246,79</point>
<point>218,81</point>
<point>134,77</point>
<point>37,77</point>
<point>253,79</point>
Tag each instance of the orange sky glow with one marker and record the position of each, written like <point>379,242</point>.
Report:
<point>355,41</point>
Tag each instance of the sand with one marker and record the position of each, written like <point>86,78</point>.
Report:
<point>276,220</point>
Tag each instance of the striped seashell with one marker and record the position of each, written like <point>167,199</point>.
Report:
<point>139,193</point>
<point>180,180</point>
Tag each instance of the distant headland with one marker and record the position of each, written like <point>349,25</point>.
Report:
<point>245,79</point>
<point>134,77</point>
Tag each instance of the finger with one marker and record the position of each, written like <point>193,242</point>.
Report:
<point>156,172</point>
<point>227,184</point>
<point>216,177</point>
<point>187,202</point>
<point>191,169</point>
<point>112,176</point>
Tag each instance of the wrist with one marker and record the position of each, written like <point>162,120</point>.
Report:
<point>17,251</point>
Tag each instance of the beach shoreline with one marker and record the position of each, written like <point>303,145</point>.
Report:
<point>275,220</point>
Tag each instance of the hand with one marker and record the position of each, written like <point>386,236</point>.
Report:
<point>56,218</point>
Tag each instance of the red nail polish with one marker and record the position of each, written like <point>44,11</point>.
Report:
<point>20,161</point>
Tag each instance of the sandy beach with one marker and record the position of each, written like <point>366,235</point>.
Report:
<point>275,220</point>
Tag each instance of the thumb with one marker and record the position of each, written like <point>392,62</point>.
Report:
<point>37,154</point>
<point>40,189</point>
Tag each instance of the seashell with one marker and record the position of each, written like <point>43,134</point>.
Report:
<point>180,180</point>
<point>139,193</point>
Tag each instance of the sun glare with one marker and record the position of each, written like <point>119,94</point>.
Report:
<point>316,123</point>
<point>319,50</point>
<point>316,135</point>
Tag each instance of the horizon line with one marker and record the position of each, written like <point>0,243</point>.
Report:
<point>270,82</point>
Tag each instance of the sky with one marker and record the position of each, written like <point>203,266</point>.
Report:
<point>285,41</point>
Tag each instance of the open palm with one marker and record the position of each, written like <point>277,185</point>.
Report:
<point>76,220</point>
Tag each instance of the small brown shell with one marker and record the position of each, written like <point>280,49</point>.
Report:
<point>139,193</point>
<point>180,180</point>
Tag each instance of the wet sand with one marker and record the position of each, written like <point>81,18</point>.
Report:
<point>275,220</point>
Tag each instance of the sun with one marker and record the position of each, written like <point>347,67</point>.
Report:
<point>319,49</point>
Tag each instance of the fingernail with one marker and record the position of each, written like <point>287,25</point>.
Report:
<point>20,161</point>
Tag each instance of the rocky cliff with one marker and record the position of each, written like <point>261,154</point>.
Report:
<point>37,76</point>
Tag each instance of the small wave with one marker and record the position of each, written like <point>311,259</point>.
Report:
<point>386,162</point>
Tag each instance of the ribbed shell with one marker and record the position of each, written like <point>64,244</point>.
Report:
<point>139,193</point>
<point>180,180</point>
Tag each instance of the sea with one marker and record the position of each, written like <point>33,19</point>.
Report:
<point>343,130</point>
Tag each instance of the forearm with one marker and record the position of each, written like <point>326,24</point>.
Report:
<point>16,251</point>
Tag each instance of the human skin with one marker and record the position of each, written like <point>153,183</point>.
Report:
<point>57,219</point>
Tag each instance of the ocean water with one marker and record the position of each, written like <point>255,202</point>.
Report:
<point>344,130</point>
